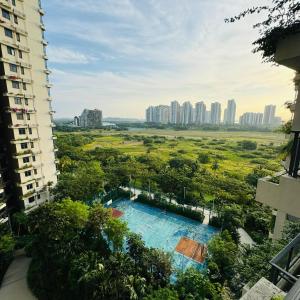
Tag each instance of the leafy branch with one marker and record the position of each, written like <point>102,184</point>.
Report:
<point>282,20</point>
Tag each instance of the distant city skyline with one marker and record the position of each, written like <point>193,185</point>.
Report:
<point>187,113</point>
<point>121,55</point>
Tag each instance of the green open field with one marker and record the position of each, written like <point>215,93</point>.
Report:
<point>220,146</point>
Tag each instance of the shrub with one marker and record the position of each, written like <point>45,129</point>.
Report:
<point>170,207</point>
<point>248,145</point>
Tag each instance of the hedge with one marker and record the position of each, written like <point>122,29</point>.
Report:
<point>170,207</point>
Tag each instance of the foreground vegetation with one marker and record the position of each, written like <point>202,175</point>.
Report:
<point>80,252</point>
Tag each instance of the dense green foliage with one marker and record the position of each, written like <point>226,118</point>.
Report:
<point>92,256</point>
<point>177,209</point>
<point>77,254</point>
<point>7,244</point>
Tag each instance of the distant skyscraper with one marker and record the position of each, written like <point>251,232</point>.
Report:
<point>200,110</point>
<point>215,113</point>
<point>76,121</point>
<point>269,114</point>
<point>229,113</point>
<point>175,112</point>
<point>150,114</point>
<point>251,119</point>
<point>187,113</point>
<point>91,118</point>
<point>163,114</point>
<point>207,117</point>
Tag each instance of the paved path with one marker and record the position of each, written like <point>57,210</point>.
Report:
<point>14,285</point>
<point>245,238</point>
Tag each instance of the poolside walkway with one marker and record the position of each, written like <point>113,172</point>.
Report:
<point>14,285</point>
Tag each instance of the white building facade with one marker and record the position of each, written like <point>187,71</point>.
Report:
<point>26,113</point>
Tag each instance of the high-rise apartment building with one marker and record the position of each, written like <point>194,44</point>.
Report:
<point>27,150</point>
<point>269,115</point>
<point>215,114</point>
<point>91,118</point>
<point>251,119</point>
<point>229,112</point>
<point>187,113</point>
<point>150,114</point>
<point>163,114</point>
<point>175,112</point>
<point>200,111</point>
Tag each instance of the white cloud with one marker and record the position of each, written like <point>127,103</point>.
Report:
<point>147,52</point>
<point>66,56</point>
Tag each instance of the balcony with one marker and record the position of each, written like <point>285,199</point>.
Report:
<point>24,168</point>
<point>283,196</point>
<point>5,4</point>
<point>19,13</point>
<point>41,11</point>
<point>286,265</point>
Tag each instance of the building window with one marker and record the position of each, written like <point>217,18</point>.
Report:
<point>22,131</point>
<point>18,37</point>
<point>35,171</point>
<point>24,146</point>
<point>29,186</point>
<point>22,70</point>
<point>8,32</point>
<point>20,54</point>
<point>32,144</point>
<point>15,84</point>
<point>5,14</point>
<point>13,68</point>
<point>30,130</point>
<point>33,158</point>
<point>27,173</point>
<point>24,86</point>
<point>13,2</point>
<point>20,116</point>
<point>11,51</point>
<point>26,101</point>
<point>26,160</point>
<point>18,100</point>
<point>39,196</point>
<point>16,19</point>
<point>28,117</point>
<point>37,185</point>
<point>31,199</point>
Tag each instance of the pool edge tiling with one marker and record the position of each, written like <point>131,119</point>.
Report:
<point>164,230</point>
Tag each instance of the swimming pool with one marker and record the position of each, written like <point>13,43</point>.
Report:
<point>164,230</point>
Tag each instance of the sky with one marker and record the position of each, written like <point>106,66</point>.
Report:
<point>121,56</point>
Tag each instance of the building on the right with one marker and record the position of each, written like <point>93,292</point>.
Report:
<point>283,194</point>
<point>269,115</point>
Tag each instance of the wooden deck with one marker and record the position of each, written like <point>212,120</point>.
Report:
<point>192,249</point>
<point>117,213</point>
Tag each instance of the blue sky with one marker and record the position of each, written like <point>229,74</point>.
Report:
<point>123,55</point>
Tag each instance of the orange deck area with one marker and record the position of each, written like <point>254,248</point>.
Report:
<point>116,213</point>
<point>192,249</point>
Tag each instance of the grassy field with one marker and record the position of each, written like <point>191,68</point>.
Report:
<point>220,146</point>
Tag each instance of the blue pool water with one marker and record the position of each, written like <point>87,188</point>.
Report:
<point>164,230</point>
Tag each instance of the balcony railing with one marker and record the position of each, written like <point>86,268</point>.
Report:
<point>286,265</point>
